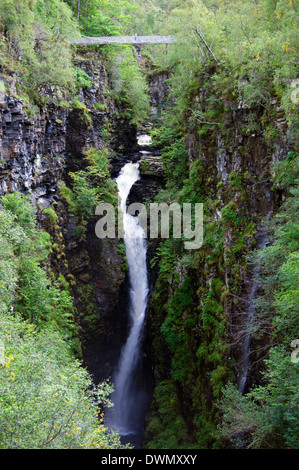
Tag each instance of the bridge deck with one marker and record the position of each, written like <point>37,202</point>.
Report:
<point>86,40</point>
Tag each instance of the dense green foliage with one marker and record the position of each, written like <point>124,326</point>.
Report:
<point>35,44</point>
<point>47,399</point>
<point>248,49</point>
<point>38,300</point>
<point>90,187</point>
<point>128,84</point>
<point>102,17</point>
<point>168,415</point>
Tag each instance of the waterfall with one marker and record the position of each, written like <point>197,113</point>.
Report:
<point>250,314</point>
<point>127,398</point>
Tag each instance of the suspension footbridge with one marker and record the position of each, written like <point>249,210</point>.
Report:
<point>87,40</point>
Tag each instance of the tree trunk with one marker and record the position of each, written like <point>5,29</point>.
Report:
<point>78,10</point>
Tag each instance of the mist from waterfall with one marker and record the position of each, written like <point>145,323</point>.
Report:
<point>127,399</point>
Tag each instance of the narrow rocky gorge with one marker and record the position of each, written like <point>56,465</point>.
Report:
<point>37,155</point>
<point>149,226</point>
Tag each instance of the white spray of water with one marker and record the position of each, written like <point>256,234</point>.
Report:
<point>120,417</point>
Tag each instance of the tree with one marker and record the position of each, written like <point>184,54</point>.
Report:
<point>47,399</point>
<point>102,17</point>
<point>129,83</point>
<point>38,32</point>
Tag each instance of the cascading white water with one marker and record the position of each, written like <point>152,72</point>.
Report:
<point>121,416</point>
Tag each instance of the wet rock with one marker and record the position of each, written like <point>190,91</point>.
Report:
<point>151,165</point>
<point>158,91</point>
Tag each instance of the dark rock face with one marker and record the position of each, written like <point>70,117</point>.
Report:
<point>104,333</point>
<point>32,151</point>
<point>36,152</point>
<point>158,91</point>
<point>237,164</point>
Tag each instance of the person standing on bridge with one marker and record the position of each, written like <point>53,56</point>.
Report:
<point>135,37</point>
